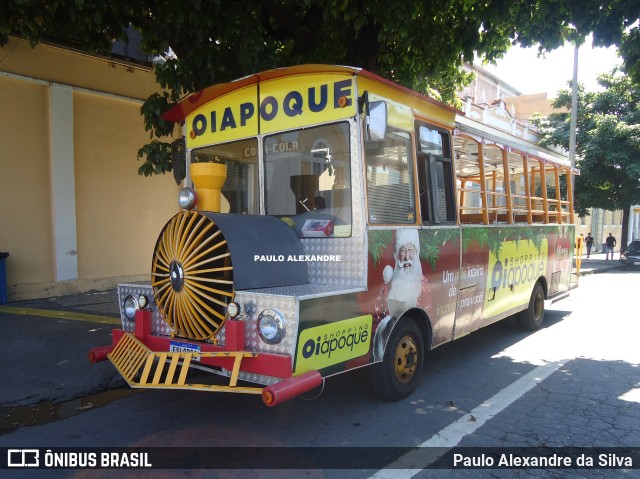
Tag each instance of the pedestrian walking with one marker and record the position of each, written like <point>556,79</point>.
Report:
<point>611,243</point>
<point>589,242</point>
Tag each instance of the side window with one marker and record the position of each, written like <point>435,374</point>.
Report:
<point>435,175</point>
<point>472,197</point>
<point>390,194</point>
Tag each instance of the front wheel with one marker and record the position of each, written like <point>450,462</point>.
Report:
<point>531,318</point>
<point>398,375</point>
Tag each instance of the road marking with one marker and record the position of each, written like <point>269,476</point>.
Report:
<point>413,462</point>
<point>93,318</point>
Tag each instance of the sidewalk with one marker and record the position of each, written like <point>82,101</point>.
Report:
<point>100,303</point>
<point>596,263</point>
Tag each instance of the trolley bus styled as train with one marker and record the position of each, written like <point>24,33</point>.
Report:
<point>331,220</point>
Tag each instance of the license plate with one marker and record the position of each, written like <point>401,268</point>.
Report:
<point>179,347</point>
<point>636,263</point>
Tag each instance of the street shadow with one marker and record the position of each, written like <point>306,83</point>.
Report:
<point>586,403</point>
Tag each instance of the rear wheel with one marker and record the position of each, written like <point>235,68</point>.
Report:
<point>532,317</point>
<point>398,375</point>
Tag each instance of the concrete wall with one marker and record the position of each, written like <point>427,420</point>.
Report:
<point>74,213</point>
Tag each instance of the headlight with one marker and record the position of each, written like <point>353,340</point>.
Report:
<point>271,326</point>
<point>187,199</point>
<point>143,301</point>
<point>233,309</point>
<point>129,305</point>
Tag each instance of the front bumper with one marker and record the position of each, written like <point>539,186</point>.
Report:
<point>145,361</point>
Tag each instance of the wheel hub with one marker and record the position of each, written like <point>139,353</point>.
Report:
<point>406,359</point>
<point>176,276</point>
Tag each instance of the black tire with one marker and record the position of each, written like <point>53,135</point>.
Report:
<point>398,375</point>
<point>532,317</point>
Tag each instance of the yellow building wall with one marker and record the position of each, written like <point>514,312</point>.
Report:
<point>119,214</point>
<point>77,69</point>
<point>25,194</point>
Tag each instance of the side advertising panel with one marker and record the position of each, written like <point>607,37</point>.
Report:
<point>414,267</point>
<point>473,278</point>
<point>516,258</point>
<point>514,267</point>
<point>407,267</point>
<point>560,258</point>
<point>463,279</point>
<point>333,335</point>
<point>323,346</point>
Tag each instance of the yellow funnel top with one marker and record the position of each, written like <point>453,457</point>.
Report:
<point>208,179</point>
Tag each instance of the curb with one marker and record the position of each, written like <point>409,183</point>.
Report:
<point>587,271</point>
<point>63,314</point>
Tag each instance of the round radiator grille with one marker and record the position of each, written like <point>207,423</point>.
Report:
<point>192,275</point>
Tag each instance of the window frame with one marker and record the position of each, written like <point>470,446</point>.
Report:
<point>412,183</point>
<point>429,168</point>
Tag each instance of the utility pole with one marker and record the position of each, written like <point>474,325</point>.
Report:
<point>574,111</point>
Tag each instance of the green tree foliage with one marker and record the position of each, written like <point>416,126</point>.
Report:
<point>420,44</point>
<point>607,144</point>
<point>91,25</point>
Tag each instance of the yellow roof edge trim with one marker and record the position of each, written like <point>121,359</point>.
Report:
<point>180,111</point>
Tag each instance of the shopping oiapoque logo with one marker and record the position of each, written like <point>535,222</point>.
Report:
<point>333,343</point>
<point>23,458</point>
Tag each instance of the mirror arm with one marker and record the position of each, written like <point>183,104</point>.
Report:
<point>363,102</point>
<point>363,107</point>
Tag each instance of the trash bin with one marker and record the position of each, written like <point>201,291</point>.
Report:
<point>3,278</point>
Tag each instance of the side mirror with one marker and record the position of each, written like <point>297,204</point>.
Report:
<point>377,121</point>
<point>375,118</point>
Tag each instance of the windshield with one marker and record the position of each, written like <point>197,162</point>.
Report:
<point>240,190</point>
<point>308,180</point>
<point>634,247</point>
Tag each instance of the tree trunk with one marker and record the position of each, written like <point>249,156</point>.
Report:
<point>626,214</point>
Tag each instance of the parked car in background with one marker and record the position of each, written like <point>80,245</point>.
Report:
<point>630,259</point>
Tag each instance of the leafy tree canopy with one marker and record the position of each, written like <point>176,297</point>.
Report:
<point>417,43</point>
<point>607,144</point>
